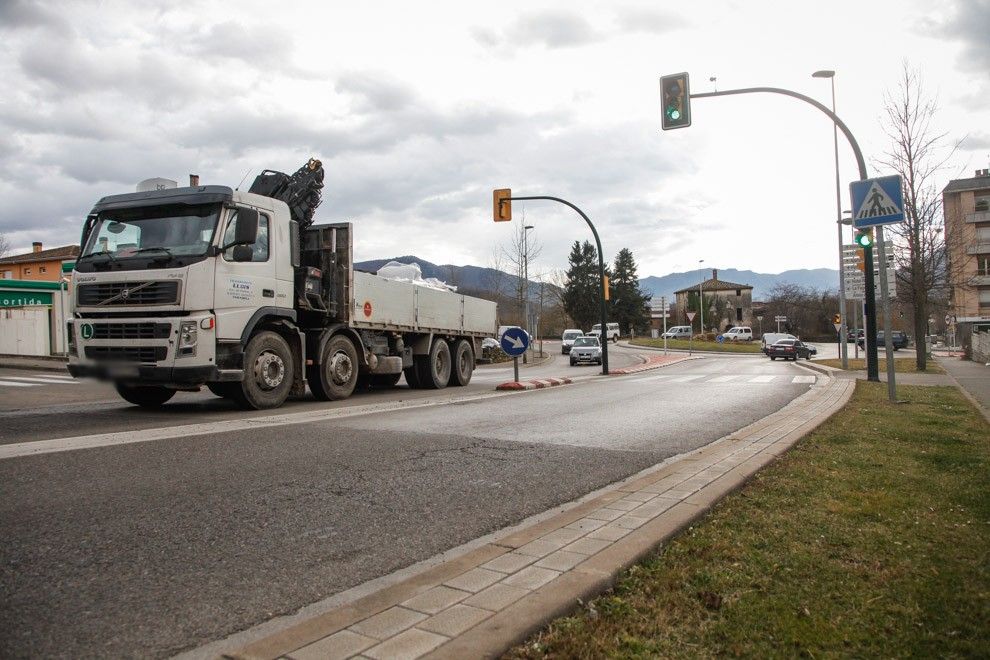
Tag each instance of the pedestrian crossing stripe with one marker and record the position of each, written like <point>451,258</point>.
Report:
<point>736,378</point>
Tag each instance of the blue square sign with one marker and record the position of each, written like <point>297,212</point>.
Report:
<point>877,201</point>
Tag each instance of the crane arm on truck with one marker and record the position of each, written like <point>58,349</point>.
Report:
<point>301,191</point>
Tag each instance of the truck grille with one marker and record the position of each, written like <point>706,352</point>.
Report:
<point>129,293</point>
<point>149,330</point>
<point>126,353</point>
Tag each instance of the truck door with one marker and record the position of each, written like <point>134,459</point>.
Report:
<point>243,287</point>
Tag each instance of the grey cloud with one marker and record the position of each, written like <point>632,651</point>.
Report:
<point>377,92</point>
<point>648,20</point>
<point>30,14</point>
<point>550,29</point>
<point>976,142</point>
<point>968,23</point>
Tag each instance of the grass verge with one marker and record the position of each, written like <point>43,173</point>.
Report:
<point>684,344</point>
<point>871,537</point>
<point>901,365</point>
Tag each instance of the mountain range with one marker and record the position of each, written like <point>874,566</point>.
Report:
<point>477,278</point>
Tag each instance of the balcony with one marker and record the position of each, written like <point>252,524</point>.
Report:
<point>980,280</point>
<point>979,216</point>
<point>979,248</point>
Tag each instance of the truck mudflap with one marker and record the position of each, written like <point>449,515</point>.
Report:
<point>152,375</point>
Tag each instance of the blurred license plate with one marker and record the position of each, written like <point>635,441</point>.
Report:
<point>122,371</point>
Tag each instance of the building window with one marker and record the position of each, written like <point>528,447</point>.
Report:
<point>738,292</point>
<point>42,269</point>
<point>27,271</point>
<point>739,313</point>
<point>7,275</point>
<point>984,296</point>
<point>983,234</point>
<point>982,204</point>
<point>983,266</point>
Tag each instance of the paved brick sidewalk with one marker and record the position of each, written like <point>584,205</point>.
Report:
<point>495,595</point>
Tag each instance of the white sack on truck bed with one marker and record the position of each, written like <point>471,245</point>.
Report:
<point>400,272</point>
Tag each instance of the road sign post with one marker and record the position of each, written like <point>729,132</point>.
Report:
<point>663,306</point>
<point>514,341</point>
<point>690,316</point>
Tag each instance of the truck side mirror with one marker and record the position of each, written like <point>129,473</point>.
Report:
<point>246,229</point>
<point>242,253</point>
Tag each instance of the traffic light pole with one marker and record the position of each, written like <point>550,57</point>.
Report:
<point>872,372</point>
<point>601,274</point>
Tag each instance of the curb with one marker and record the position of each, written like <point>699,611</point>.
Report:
<point>482,602</point>
<point>653,362</point>
<point>535,384</point>
<point>55,366</point>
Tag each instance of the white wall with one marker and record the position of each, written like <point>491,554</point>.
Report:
<point>24,330</point>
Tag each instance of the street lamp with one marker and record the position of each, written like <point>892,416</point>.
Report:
<point>526,229</point>
<point>843,349</point>
<point>701,298</point>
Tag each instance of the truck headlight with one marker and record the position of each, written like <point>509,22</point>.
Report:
<point>187,338</point>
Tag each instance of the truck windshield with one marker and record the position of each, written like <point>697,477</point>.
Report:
<point>155,232</point>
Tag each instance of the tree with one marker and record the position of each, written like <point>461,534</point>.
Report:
<point>917,153</point>
<point>4,245</point>
<point>523,248</point>
<point>628,302</point>
<point>582,286</point>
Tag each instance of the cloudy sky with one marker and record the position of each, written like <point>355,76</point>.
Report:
<point>419,109</point>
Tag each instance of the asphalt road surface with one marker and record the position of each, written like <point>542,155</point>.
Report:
<point>173,529</point>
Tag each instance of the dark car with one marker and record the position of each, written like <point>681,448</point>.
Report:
<point>854,335</point>
<point>790,349</point>
<point>897,338</point>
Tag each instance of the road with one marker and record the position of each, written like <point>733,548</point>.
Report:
<point>209,521</point>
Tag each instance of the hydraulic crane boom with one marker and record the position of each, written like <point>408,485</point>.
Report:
<point>301,191</point>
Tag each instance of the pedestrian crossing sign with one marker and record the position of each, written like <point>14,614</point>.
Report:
<point>877,201</point>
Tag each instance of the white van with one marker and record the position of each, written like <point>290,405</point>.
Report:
<point>678,332</point>
<point>739,333</point>
<point>611,331</point>
<point>567,339</point>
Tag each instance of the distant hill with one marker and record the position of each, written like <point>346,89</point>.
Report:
<point>762,283</point>
<point>476,278</point>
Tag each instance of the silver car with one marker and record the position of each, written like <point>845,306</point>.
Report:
<point>586,349</point>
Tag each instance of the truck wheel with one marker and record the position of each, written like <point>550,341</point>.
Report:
<point>268,372</point>
<point>434,369</point>
<point>463,363</point>
<point>338,371</point>
<point>384,381</point>
<point>146,396</point>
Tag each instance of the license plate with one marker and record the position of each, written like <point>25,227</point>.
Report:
<point>122,371</point>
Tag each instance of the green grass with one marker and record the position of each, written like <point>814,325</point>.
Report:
<point>684,344</point>
<point>870,538</point>
<point>901,365</point>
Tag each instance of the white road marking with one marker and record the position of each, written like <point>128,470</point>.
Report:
<point>684,379</point>
<point>761,379</point>
<point>47,381</point>
<point>803,379</point>
<point>724,379</point>
<point>10,383</point>
<point>644,379</point>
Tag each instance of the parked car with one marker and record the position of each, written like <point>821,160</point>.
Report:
<point>773,337</point>
<point>897,337</point>
<point>790,349</point>
<point>678,332</point>
<point>611,331</point>
<point>586,349</point>
<point>854,335</point>
<point>567,340</point>
<point>739,333</point>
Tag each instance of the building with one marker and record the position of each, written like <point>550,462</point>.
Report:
<point>728,303</point>
<point>966,208</point>
<point>38,265</point>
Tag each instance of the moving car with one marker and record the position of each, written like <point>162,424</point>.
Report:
<point>773,338</point>
<point>897,337</point>
<point>611,331</point>
<point>790,349</point>
<point>739,333</point>
<point>678,332</point>
<point>586,349</point>
<point>567,340</point>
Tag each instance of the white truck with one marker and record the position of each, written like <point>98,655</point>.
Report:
<point>179,288</point>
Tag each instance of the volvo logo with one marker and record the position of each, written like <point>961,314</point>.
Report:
<point>125,294</point>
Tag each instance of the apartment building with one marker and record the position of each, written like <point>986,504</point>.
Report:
<point>966,206</point>
<point>39,264</point>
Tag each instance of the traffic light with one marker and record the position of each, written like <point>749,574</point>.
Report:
<point>861,260</point>
<point>502,205</point>
<point>864,239</point>
<point>675,98</point>
<point>837,318</point>
<point>608,286</point>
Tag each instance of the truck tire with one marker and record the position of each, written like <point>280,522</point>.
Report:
<point>337,374</point>
<point>434,369</point>
<point>268,372</point>
<point>412,376</point>
<point>462,363</point>
<point>384,381</point>
<point>146,396</point>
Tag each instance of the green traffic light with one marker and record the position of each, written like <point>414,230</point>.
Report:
<point>864,239</point>
<point>676,101</point>
<point>673,113</point>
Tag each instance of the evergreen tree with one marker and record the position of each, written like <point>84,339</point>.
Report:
<point>581,287</point>
<point>628,301</point>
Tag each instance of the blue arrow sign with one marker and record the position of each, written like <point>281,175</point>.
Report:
<point>514,341</point>
<point>877,201</point>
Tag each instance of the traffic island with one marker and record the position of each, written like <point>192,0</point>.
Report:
<point>535,384</point>
<point>652,362</point>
